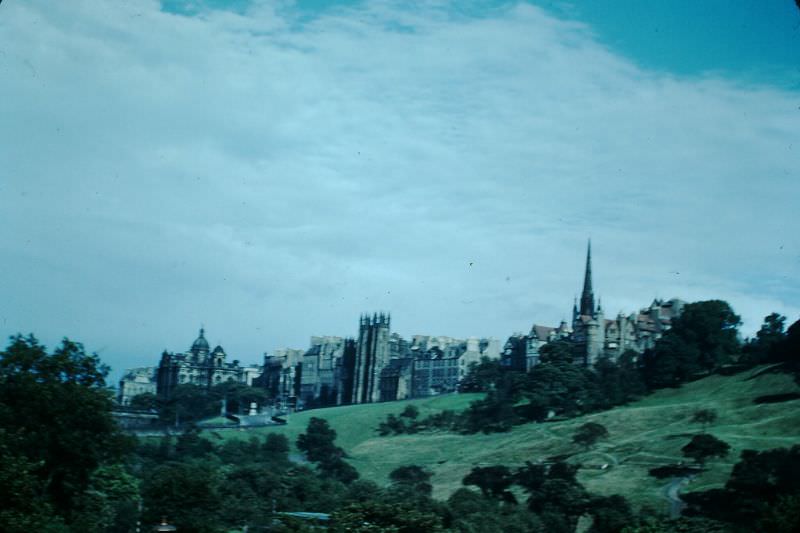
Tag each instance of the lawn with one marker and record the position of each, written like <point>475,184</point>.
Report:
<point>644,434</point>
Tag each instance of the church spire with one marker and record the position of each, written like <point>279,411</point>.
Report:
<point>587,296</point>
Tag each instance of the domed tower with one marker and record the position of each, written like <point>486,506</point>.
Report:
<point>200,348</point>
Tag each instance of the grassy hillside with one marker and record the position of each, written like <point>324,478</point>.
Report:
<point>644,434</point>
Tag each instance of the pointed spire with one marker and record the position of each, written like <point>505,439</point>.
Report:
<point>587,296</point>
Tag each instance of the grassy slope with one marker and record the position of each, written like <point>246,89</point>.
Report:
<point>644,434</point>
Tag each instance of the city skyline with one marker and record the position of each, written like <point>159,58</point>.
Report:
<point>273,170</point>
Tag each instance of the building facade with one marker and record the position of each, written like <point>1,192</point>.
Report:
<point>136,381</point>
<point>198,366</point>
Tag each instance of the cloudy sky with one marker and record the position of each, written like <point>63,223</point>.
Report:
<point>271,169</point>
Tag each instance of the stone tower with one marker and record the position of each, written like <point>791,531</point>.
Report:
<point>372,356</point>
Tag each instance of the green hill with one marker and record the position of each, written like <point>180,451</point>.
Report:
<point>644,434</point>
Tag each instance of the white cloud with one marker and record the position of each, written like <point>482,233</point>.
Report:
<point>273,180</point>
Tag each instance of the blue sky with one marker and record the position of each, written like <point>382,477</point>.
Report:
<point>274,169</point>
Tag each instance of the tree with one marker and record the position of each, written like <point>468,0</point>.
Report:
<point>482,376</point>
<point>589,433</point>
<point>375,517</point>
<point>702,338</point>
<point>412,477</point>
<point>493,481</point>
<point>186,493</point>
<point>410,411</point>
<point>318,441</point>
<point>58,410</point>
<point>769,338</point>
<point>704,417</point>
<point>704,446</point>
<point>318,444</point>
<point>144,402</point>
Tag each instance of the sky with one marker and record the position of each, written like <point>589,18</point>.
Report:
<point>272,169</point>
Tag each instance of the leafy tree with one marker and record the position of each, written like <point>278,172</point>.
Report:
<point>704,446</point>
<point>610,514</point>
<point>704,417</point>
<point>410,411</point>
<point>318,441</point>
<point>318,444</point>
<point>111,502</point>
<point>760,493</point>
<point>493,481</point>
<point>701,339</point>
<point>765,347</point>
<point>493,414</point>
<point>589,433</point>
<point>186,493</point>
<point>191,444</point>
<point>375,517</point>
<point>23,509</point>
<point>412,477</point>
<point>188,403</point>
<point>144,402</point>
<point>58,411</point>
<point>482,376</point>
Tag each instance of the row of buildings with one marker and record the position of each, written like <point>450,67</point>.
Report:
<point>379,365</point>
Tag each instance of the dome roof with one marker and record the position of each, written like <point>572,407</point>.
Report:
<point>201,344</point>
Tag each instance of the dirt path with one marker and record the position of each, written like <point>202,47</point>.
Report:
<point>672,494</point>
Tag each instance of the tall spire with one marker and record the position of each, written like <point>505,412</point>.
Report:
<point>587,296</point>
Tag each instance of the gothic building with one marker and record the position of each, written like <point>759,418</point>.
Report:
<point>372,356</point>
<point>592,334</point>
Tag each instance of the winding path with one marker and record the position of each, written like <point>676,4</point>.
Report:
<point>672,494</point>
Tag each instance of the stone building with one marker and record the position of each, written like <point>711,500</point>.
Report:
<point>592,334</point>
<point>136,381</point>
<point>321,377</point>
<point>198,366</point>
<point>372,356</point>
<point>281,376</point>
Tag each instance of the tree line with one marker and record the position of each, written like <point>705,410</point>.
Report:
<point>703,340</point>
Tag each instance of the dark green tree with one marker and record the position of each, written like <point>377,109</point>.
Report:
<point>703,338</point>
<point>494,481</point>
<point>57,409</point>
<point>482,376</point>
<point>412,478</point>
<point>318,441</point>
<point>376,517</point>
<point>704,446</point>
<point>765,347</point>
<point>144,402</point>
<point>187,493</point>
<point>589,433</point>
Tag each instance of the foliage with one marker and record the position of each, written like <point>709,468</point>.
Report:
<point>702,339</point>
<point>375,517</point>
<point>144,402</point>
<point>589,433</point>
<point>482,376</point>
<point>56,411</point>
<point>318,444</point>
<point>704,446</point>
<point>762,494</point>
<point>187,493</point>
<point>318,441</point>
<point>493,481</point>
<point>412,477</point>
